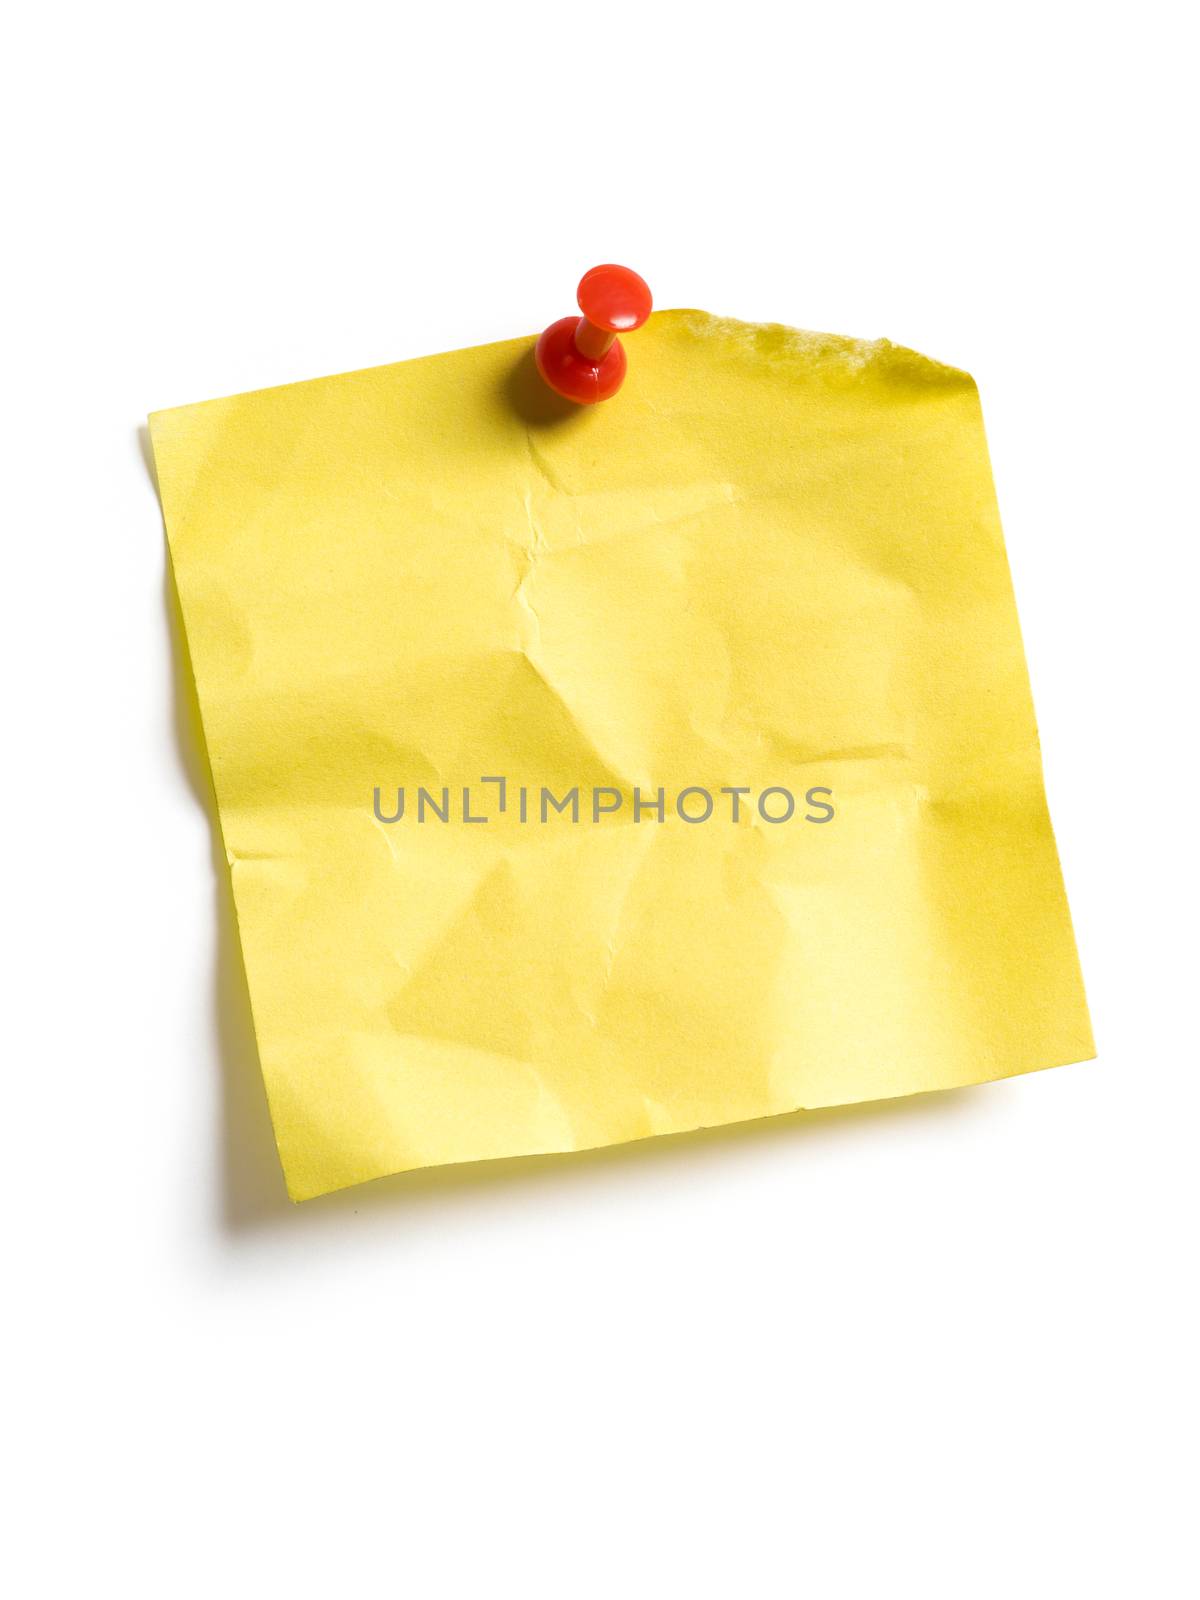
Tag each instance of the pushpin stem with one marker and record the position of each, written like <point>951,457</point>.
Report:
<point>593,343</point>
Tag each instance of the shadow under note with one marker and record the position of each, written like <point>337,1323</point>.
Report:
<point>440,1191</point>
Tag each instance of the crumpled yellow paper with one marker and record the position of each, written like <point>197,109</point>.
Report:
<point>771,565</point>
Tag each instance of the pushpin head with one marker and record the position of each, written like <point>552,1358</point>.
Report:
<point>581,358</point>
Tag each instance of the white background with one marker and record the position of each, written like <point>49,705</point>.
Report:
<point>941,1348</point>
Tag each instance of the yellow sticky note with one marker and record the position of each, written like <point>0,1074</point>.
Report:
<point>592,773</point>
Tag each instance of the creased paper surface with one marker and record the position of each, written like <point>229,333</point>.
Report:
<point>773,562</point>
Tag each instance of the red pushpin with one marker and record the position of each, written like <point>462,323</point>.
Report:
<point>581,358</point>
